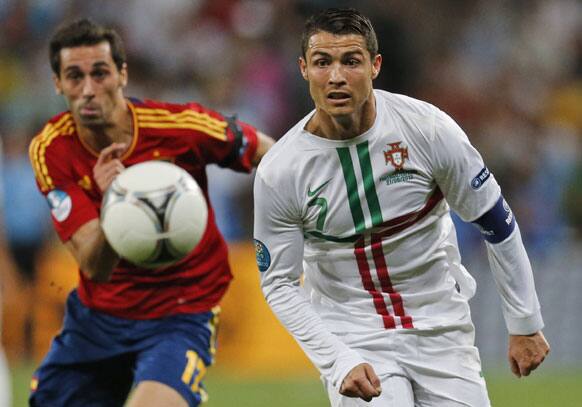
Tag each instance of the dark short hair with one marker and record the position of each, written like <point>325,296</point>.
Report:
<point>340,21</point>
<point>84,32</point>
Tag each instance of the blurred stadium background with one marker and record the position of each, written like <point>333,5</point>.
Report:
<point>510,72</point>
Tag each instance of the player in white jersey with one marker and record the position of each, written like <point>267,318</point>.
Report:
<point>357,197</point>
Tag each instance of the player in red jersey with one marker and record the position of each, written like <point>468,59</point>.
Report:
<point>128,327</point>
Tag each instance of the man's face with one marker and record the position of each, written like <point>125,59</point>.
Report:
<point>340,71</point>
<point>91,83</point>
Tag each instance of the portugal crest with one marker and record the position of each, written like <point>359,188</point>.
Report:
<point>396,155</point>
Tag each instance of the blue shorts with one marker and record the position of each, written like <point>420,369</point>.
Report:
<point>98,358</point>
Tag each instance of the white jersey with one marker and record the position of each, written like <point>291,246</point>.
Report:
<point>367,221</point>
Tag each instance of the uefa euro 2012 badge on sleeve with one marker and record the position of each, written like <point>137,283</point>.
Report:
<point>263,256</point>
<point>480,178</point>
<point>60,204</point>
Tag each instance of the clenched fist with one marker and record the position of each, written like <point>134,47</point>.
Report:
<point>361,382</point>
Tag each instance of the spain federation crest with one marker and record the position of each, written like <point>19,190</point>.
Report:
<point>396,155</point>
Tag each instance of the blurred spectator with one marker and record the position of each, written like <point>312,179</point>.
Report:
<point>573,203</point>
<point>26,224</point>
<point>6,276</point>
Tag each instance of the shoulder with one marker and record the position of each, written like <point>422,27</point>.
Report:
<point>417,115</point>
<point>405,105</point>
<point>184,117</point>
<point>50,146</point>
<point>278,175</point>
<point>283,158</point>
<point>161,107</point>
<point>152,105</point>
<point>55,134</point>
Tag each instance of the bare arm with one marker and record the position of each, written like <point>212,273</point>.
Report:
<point>94,255</point>
<point>96,258</point>
<point>264,144</point>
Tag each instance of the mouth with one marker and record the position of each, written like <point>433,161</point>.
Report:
<point>338,97</point>
<point>89,110</point>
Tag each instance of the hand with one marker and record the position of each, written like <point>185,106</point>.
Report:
<point>108,165</point>
<point>527,352</point>
<point>361,382</point>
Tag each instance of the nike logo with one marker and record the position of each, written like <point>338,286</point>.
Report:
<point>311,193</point>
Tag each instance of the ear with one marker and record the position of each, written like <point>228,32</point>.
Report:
<point>123,75</point>
<point>303,68</point>
<point>58,86</point>
<point>376,65</point>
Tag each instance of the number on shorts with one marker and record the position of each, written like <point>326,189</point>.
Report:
<point>194,371</point>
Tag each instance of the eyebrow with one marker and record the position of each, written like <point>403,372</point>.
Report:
<point>348,53</point>
<point>321,53</point>
<point>356,51</point>
<point>98,64</point>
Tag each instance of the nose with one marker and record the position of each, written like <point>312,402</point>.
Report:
<point>88,88</point>
<point>336,75</point>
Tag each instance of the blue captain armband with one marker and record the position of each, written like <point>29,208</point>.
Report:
<point>498,223</point>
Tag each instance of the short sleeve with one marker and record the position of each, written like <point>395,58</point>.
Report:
<point>223,140</point>
<point>69,205</point>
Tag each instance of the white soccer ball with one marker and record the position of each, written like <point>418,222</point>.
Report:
<point>154,214</point>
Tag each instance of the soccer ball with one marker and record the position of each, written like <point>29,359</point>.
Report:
<point>154,214</point>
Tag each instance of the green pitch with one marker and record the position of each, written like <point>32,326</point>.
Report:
<point>545,388</point>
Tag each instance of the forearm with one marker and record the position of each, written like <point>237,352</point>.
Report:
<point>279,246</point>
<point>332,357</point>
<point>514,279</point>
<point>93,253</point>
<point>511,269</point>
<point>99,260</point>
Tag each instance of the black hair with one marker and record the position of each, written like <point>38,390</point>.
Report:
<point>340,21</point>
<point>84,32</point>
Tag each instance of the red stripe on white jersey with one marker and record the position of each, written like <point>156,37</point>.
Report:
<point>389,228</point>
<point>386,283</point>
<point>393,226</point>
<point>378,299</point>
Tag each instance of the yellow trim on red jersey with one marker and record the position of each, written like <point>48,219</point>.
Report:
<point>187,119</point>
<point>135,129</point>
<point>161,114</point>
<point>184,117</point>
<point>197,127</point>
<point>38,146</point>
<point>219,123</point>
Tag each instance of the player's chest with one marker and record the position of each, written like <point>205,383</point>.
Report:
<point>347,190</point>
<point>83,163</point>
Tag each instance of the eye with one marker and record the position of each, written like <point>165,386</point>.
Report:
<point>321,63</point>
<point>74,76</point>
<point>353,62</point>
<point>99,74</point>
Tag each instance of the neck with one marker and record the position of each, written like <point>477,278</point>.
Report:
<point>118,130</point>
<point>344,127</point>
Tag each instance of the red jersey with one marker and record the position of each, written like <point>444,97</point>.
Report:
<point>188,135</point>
